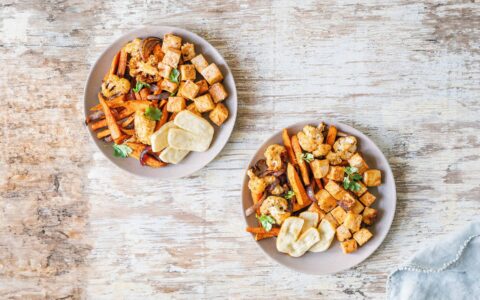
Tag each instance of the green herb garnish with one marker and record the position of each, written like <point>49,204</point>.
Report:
<point>350,181</point>
<point>308,157</point>
<point>153,113</point>
<point>121,150</point>
<point>289,195</point>
<point>139,86</point>
<point>174,75</point>
<point>173,94</point>
<point>266,221</point>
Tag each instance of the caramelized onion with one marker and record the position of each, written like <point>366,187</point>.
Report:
<point>310,192</point>
<point>254,207</point>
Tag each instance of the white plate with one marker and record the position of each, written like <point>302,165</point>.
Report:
<point>333,260</point>
<point>195,160</point>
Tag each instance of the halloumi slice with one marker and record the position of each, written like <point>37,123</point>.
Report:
<point>327,233</point>
<point>159,138</point>
<point>185,140</point>
<point>309,238</point>
<point>194,123</point>
<point>311,220</point>
<point>172,155</point>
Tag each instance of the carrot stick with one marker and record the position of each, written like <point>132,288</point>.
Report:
<point>163,119</point>
<point>113,103</point>
<point>113,65</point>
<point>144,93</point>
<point>288,146</point>
<point>111,122</point>
<point>122,63</point>
<point>301,163</point>
<point>319,184</point>
<point>274,230</point>
<point>331,135</point>
<point>261,236</point>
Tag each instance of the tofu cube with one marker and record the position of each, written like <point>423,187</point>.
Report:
<point>168,86</point>
<point>335,189</point>
<point>203,85</point>
<point>343,233</point>
<point>187,72</point>
<point>171,41</point>
<point>188,90</point>
<point>191,107</point>
<point>218,92</point>
<point>314,208</point>
<point>325,201</point>
<point>188,51</point>
<point>176,104</point>
<point>320,168</point>
<point>367,199</point>
<point>372,177</point>
<point>172,57</point>
<point>212,74</point>
<point>358,162</point>
<point>362,189</point>
<point>199,62</point>
<point>204,103</point>
<point>362,236</point>
<point>339,214</point>
<point>331,219</point>
<point>219,114</point>
<point>353,221</point>
<point>164,70</point>
<point>369,215</point>
<point>336,173</point>
<point>357,208</point>
<point>347,201</point>
<point>349,246</point>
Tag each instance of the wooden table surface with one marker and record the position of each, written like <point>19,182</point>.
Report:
<point>74,226</point>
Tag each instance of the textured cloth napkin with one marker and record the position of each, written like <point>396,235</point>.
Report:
<point>448,269</point>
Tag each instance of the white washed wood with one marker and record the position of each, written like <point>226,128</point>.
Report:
<point>74,226</point>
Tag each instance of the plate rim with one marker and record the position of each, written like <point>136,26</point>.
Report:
<point>328,122</point>
<point>233,94</point>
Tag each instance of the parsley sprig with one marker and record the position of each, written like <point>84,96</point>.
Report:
<point>139,86</point>
<point>308,157</point>
<point>350,181</point>
<point>174,75</point>
<point>121,150</point>
<point>289,195</point>
<point>153,113</point>
<point>266,221</point>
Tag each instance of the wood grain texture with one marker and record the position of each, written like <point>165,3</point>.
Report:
<point>73,226</point>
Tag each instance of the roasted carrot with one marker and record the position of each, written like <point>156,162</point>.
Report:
<point>274,230</point>
<point>162,103</point>
<point>122,63</point>
<point>301,163</point>
<point>298,188</point>
<point>172,117</point>
<point>113,65</point>
<point>331,135</point>
<point>261,236</point>
<point>103,123</point>
<point>288,146</point>
<point>163,119</point>
<point>111,122</point>
<point>137,149</point>
<point>319,183</point>
<point>113,103</point>
<point>144,93</point>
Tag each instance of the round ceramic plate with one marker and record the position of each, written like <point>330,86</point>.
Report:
<point>333,260</point>
<point>195,160</point>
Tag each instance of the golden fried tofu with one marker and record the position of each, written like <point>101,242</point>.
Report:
<point>314,208</point>
<point>357,207</point>
<point>188,51</point>
<point>362,236</point>
<point>204,103</point>
<point>168,86</point>
<point>343,233</point>
<point>203,85</point>
<point>144,127</point>
<point>358,162</point>
<point>335,189</point>
<point>199,62</point>
<point>171,41</point>
<point>176,104</point>
<point>188,90</point>
<point>187,72</point>
<point>325,201</point>
<point>218,92</point>
<point>372,177</point>
<point>320,168</point>
<point>368,199</point>
<point>347,201</point>
<point>172,57</point>
<point>212,74</point>
<point>369,215</point>
<point>336,173</point>
<point>331,219</point>
<point>164,70</point>
<point>353,221</point>
<point>339,214</point>
<point>362,189</point>
<point>219,114</point>
<point>191,107</point>
<point>349,246</point>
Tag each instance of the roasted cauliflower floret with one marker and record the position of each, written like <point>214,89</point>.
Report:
<point>144,127</point>
<point>257,184</point>
<point>134,47</point>
<point>273,154</point>
<point>311,140</point>
<point>345,146</point>
<point>277,190</point>
<point>114,86</point>
<point>276,207</point>
<point>145,71</point>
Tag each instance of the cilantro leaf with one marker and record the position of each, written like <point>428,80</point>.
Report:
<point>289,195</point>
<point>153,113</point>
<point>350,170</point>
<point>350,181</point>
<point>174,75</point>
<point>308,157</point>
<point>121,150</point>
<point>139,86</point>
<point>266,221</point>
